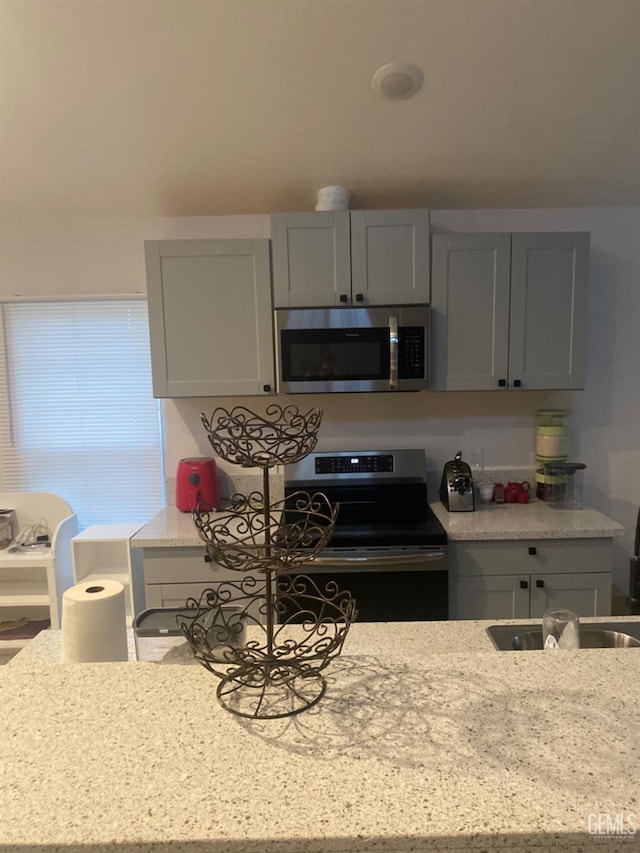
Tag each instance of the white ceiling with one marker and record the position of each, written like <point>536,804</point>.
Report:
<point>202,107</point>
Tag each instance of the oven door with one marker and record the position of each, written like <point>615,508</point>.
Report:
<point>389,585</point>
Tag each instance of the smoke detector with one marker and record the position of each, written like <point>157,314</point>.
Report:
<point>396,81</point>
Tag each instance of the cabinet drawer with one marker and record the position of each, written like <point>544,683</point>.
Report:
<point>524,556</point>
<point>176,595</point>
<point>182,565</point>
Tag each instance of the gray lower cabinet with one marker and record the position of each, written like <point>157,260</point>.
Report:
<point>519,580</point>
<point>171,575</point>
<point>210,317</point>
<point>174,574</point>
<point>509,311</point>
<point>357,257</point>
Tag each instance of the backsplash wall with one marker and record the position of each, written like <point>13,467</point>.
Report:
<point>502,425</point>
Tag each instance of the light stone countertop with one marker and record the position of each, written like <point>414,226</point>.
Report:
<point>535,520</point>
<point>412,748</point>
<point>171,528</point>
<point>452,636</point>
<point>363,637</point>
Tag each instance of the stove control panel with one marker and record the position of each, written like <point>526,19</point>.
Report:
<point>358,463</point>
<point>357,466</point>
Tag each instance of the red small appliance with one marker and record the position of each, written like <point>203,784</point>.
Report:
<point>196,483</point>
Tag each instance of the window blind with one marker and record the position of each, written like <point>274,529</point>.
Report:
<point>79,418</point>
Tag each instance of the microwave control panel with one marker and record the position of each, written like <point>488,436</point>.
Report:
<point>411,358</point>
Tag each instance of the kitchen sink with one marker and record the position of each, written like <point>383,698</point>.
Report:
<point>593,635</point>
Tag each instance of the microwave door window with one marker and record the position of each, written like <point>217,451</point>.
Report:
<point>322,355</point>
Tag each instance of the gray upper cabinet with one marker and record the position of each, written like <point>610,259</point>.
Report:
<point>509,311</point>
<point>311,258</point>
<point>210,317</point>
<point>390,256</point>
<point>367,257</point>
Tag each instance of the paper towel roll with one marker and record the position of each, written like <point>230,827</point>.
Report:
<point>94,626</point>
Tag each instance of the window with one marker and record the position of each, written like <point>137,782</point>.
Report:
<point>77,413</point>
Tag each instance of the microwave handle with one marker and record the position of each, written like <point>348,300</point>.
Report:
<point>393,353</point>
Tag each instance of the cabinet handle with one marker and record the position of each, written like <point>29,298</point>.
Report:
<point>540,584</point>
<point>533,550</point>
<point>502,382</point>
<point>266,388</point>
<point>517,383</point>
<point>344,297</point>
<point>524,584</point>
<point>359,297</point>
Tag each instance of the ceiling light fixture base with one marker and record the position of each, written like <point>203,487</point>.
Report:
<point>397,81</point>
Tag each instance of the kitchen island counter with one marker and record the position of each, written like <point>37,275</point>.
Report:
<point>408,750</point>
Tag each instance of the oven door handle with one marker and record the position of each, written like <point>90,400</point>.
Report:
<point>397,560</point>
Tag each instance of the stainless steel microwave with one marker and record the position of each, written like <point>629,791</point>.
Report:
<point>327,350</point>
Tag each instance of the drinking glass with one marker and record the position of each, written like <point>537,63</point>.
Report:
<point>560,630</point>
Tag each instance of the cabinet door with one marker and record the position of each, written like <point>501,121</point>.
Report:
<point>390,257</point>
<point>470,311</point>
<point>489,597</point>
<point>311,259</point>
<point>586,594</point>
<point>549,275</point>
<point>210,317</point>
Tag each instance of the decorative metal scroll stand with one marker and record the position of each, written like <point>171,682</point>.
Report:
<point>243,631</point>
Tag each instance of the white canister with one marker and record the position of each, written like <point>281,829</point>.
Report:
<point>333,198</point>
<point>551,441</point>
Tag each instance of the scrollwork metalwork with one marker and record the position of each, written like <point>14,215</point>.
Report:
<point>282,436</point>
<point>230,637</point>
<point>283,536</point>
<point>268,636</point>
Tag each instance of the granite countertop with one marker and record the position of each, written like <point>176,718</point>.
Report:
<point>458,636</point>
<point>169,528</point>
<point>413,747</point>
<point>535,520</point>
<point>363,637</point>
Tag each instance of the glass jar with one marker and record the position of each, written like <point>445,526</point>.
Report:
<point>564,484</point>
<point>546,483</point>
